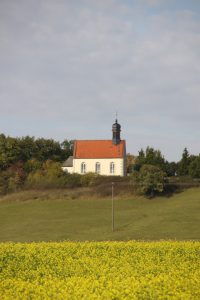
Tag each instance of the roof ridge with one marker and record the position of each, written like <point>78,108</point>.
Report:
<point>95,140</point>
<point>99,149</point>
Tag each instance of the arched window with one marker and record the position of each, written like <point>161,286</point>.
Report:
<point>112,168</point>
<point>83,168</point>
<point>98,168</point>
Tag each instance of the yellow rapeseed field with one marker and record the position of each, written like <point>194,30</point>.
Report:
<point>100,270</point>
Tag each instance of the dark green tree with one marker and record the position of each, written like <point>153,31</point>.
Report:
<point>194,167</point>
<point>28,148</point>
<point>151,157</point>
<point>67,147</point>
<point>183,165</point>
<point>48,149</point>
<point>171,168</point>
<point>9,151</point>
<point>149,180</point>
<point>130,160</point>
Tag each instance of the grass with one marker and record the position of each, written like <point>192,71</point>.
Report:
<point>78,216</point>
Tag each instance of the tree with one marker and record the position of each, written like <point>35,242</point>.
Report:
<point>171,168</point>
<point>194,167</point>
<point>150,180</point>
<point>32,165</point>
<point>23,149</point>
<point>130,159</point>
<point>67,147</point>
<point>17,176</point>
<point>48,149</point>
<point>3,182</point>
<point>183,165</point>
<point>150,157</point>
<point>28,148</point>
<point>50,175</point>
<point>9,151</point>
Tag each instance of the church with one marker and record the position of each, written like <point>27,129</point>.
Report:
<point>103,157</point>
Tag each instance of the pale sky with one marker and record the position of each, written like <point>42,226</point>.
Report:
<point>66,67</point>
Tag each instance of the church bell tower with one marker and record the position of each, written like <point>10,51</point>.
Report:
<point>116,129</point>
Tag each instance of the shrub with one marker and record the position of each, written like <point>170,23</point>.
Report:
<point>194,167</point>
<point>72,180</point>
<point>32,165</point>
<point>89,179</point>
<point>3,183</point>
<point>50,176</point>
<point>149,180</point>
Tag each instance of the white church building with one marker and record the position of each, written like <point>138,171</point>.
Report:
<point>104,157</point>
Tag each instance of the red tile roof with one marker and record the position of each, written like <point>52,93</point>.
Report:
<point>99,149</point>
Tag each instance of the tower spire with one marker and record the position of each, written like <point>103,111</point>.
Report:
<point>116,129</point>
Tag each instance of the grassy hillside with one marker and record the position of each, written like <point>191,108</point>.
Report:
<point>64,215</point>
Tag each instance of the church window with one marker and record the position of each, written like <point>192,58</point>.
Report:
<point>112,168</point>
<point>98,168</point>
<point>83,168</point>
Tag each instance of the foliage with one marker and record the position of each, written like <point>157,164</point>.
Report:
<point>150,157</point>
<point>183,165</point>
<point>4,177</point>
<point>27,148</point>
<point>17,176</point>
<point>194,167</point>
<point>171,168</point>
<point>12,179</point>
<point>130,160</point>
<point>89,179</point>
<point>68,147</point>
<point>149,180</point>
<point>73,180</point>
<point>9,151</point>
<point>48,149</point>
<point>108,270</point>
<point>154,157</point>
<point>49,176</point>
<point>26,160</point>
<point>32,165</point>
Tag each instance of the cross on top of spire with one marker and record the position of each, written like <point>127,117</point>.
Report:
<point>116,116</point>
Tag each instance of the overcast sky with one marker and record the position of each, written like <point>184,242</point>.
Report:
<point>66,67</point>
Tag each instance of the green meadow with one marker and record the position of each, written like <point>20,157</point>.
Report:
<point>60,215</point>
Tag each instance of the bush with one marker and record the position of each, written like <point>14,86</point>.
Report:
<point>149,180</point>
<point>194,168</point>
<point>32,165</point>
<point>49,176</point>
<point>89,179</point>
<point>73,180</point>
<point>3,183</point>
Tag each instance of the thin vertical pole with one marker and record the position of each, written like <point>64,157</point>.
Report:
<point>113,217</point>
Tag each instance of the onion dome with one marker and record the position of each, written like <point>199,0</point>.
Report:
<point>116,129</point>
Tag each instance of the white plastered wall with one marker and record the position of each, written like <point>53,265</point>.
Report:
<point>105,165</point>
<point>68,169</point>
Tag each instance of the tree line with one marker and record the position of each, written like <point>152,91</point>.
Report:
<point>13,150</point>
<point>28,162</point>
<point>189,165</point>
<point>21,158</point>
<point>153,174</point>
